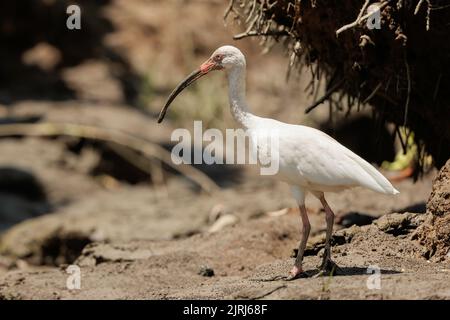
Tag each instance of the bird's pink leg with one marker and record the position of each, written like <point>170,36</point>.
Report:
<point>306,227</point>
<point>327,263</point>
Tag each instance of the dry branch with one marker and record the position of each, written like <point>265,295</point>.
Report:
<point>327,95</point>
<point>360,17</point>
<point>141,146</point>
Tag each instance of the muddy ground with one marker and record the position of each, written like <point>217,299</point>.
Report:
<point>135,240</point>
<point>70,201</point>
<point>245,259</point>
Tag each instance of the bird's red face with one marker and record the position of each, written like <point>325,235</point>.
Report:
<point>213,63</point>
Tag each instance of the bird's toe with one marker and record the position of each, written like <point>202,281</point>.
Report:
<point>328,268</point>
<point>295,273</point>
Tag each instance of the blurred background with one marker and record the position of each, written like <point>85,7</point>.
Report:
<point>70,185</point>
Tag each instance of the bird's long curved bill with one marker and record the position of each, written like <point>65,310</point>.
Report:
<point>183,84</point>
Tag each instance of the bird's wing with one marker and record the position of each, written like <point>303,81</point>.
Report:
<point>321,160</point>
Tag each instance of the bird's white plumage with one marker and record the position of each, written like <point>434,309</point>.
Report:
<point>308,158</point>
<point>314,161</point>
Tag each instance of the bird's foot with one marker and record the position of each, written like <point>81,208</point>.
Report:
<point>328,268</point>
<point>295,273</point>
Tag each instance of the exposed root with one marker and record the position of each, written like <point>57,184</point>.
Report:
<point>357,21</point>
<point>373,93</point>
<point>390,68</point>
<point>408,95</point>
<point>419,4</point>
<point>360,19</point>
<point>327,95</point>
<point>229,9</point>
<point>250,33</point>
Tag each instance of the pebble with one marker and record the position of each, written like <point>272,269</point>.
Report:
<point>206,271</point>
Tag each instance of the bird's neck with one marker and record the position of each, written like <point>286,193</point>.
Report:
<point>236,94</point>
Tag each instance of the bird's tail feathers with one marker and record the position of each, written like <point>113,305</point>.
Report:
<point>376,181</point>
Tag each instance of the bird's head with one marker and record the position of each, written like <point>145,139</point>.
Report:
<point>224,58</point>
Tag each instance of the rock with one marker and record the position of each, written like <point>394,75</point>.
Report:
<point>345,235</point>
<point>222,222</point>
<point>279,213</point>
<point>439,202</point>
<point>313,246</point>
<point>434,233</point>
<point>216,212</point>
<point>399,223</point>
<point>206,271</point>
<point>354,218</point>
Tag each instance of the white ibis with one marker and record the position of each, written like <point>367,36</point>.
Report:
<point>309,160</point>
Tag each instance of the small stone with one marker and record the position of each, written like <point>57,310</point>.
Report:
<point>206,271</point>
<point>222,222</point>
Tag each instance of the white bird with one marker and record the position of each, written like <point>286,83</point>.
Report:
<point>310,161</point>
